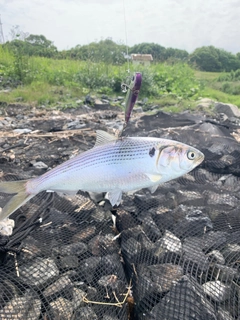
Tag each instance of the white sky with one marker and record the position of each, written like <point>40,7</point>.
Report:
<point>182,24</point>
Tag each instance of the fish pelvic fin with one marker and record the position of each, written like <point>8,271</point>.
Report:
<point>21,197</point>
<point>114,197</point>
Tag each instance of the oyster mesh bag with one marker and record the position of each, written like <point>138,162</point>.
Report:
<point>174,254</point>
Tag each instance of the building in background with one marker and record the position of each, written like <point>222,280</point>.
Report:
<point>144,59</point>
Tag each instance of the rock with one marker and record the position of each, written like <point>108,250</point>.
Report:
<point>231,252</point>
<point>227,108</point>
<point>113,285</point>
<point>85,234</point>
<point>217,290</point>
<point>214,240</point>
<point>76,125</point>
<point>6,226</point>
<point>86,313</point>
<point>193,254</point>
<point>76,248</point>
<point>21,308</point>
<point>205,103</point>
<point>61,309</point>
<point>223,199</point>
<point>58,286</point>
<point>38,272</point>
<point>105,101</point>
<point>77,300</point>
<point>88,267</point>
<point>138,109</point>
<point>31,248</point>
<point>40,165</point>
<point>112,317</point>
<point>168,243</point>
<point>120,98</point>
<point>88,100</point>
<point>149,226</point>
<point>215,256</point>
<point>8,291</point>
<point>98,102</point>
<point>102,245</point>
<point>131,250</point>
<point>101,215</point>
<point>22,131</point>
<point>69,262</point>
<point>184,301</point>
<point>189,197</point>
<point>111,264</point>
<point>224,273</point>
<point>163,276</point>
<point>194,223</point>
<point>124,219</point>
<point>223,315</point>
<point>96,197</point>
<point>79,101</point>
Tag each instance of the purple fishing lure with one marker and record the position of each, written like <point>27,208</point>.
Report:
<point>132,94</point>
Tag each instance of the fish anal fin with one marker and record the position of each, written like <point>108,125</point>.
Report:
<point>114,197</point>
<point>103,137</point>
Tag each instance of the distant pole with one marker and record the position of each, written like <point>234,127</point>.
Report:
<point>1,32</point>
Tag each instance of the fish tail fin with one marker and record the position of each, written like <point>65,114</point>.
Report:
<point>21,197</point>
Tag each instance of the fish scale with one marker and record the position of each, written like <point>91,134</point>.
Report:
<point>112,166</point>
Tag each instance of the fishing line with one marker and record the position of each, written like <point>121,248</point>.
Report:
<point>133,87</point>
<point>126,37</point>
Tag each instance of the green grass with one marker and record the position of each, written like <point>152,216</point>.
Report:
<point>217,95</point>
<point>59,83</point>
<point>206,76</point>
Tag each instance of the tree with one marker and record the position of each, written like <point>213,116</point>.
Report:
<point>214,59</point>
<point>39,45</point>
<point>31,45</point>
<point>103,51</point>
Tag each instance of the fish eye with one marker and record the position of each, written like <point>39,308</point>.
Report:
<point>191,155</point>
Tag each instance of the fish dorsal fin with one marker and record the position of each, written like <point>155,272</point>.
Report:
<point>103,137</point>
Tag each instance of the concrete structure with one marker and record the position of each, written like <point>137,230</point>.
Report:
<point>144,59</point>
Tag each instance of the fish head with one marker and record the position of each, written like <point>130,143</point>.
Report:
<point>178,157</point>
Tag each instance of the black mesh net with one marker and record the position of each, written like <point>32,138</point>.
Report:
<point>174,254</point>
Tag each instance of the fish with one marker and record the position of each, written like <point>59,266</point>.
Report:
<point>132,94</point>
<point>113,166</point>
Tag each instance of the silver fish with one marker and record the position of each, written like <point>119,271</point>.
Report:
<point>113,165</point>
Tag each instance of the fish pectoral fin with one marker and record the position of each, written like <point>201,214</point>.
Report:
<point>114,197</point>
<point>154,177</point>
<point>103,137</point>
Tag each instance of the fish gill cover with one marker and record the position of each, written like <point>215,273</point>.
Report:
<point>169,255</point>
